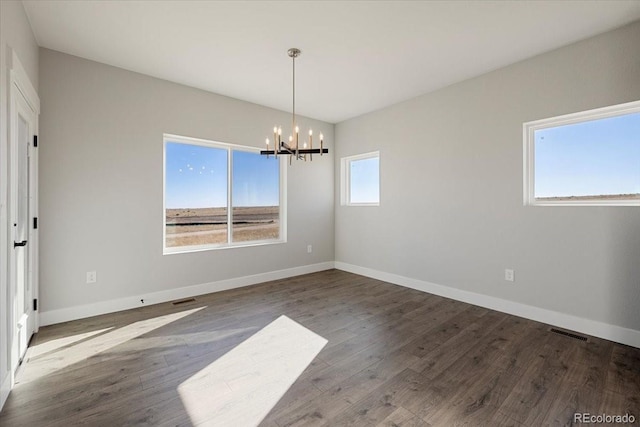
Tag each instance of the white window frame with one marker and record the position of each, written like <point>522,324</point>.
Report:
<point>169,138</point>
<point>529,129</point>
<point>345,178</point>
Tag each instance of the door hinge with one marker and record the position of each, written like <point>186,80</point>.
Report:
<point>35,304</point>
<point>35,222</point>
<point>35,140</point>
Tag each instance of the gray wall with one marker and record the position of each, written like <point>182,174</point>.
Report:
<point>15,33</point>
<point>451,209</point>
<point>101,184</point>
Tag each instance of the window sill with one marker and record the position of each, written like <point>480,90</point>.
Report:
<point>203,248</point>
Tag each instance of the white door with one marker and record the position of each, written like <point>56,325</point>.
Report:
<point>23,176</point>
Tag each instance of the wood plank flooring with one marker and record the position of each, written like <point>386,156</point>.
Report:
<point>394,357</point>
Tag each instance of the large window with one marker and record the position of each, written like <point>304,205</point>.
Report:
<point>360,176</point>
<point>587,158</point>
<point>220,195</point>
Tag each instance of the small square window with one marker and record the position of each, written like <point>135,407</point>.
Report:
<point>360,177</point>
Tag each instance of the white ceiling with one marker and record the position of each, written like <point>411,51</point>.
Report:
<point>358,56</point>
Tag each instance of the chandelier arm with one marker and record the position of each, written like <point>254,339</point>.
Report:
<point>302,151</point>
<point>286,147</point>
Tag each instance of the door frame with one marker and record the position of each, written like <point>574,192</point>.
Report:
<point>20,86</point>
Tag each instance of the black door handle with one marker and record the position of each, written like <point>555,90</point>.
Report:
<point>23,243</point>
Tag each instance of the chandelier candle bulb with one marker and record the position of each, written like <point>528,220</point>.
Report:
<point>275,139</point>
<point>267,142</point>
<point>310,145</point>
<point>321,138</point>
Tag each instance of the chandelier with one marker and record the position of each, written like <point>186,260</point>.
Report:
<point>293,147</point>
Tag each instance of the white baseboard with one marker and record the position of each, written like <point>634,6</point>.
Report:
<point>5,388</point>
<point>586,326</point>
<point>82,311</point>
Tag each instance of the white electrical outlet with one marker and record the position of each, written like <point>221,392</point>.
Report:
<point>309,249</point>
<point>509,275</point>
<point>91,277</point>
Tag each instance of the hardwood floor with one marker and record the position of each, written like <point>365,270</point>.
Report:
<point>394,357</point>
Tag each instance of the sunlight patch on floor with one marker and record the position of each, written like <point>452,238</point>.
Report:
<point>167,341</point>
<point>56,344</point>
<point>241,387</point>
<point>72,354</point>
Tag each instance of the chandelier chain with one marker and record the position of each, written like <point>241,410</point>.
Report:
<point>293,123</point>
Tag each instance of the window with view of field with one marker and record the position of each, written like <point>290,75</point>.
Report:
<point>589,158</point>
<point>219,195</point>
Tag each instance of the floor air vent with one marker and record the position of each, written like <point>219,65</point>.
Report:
<point>568,334</point>
<point>183,301</point>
